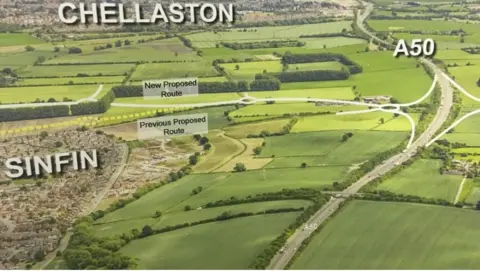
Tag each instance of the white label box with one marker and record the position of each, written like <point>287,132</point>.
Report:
<point>171,126</point>
<point>170,88</point>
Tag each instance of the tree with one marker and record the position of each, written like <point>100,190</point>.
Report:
<point>157,214</point>
<point>393,100</point>
<point>77,258</point>
<point>29,48</point>
<point>207,146</point>
<point>187,208</point>
<point>39,60</point>
<point>146,231</point>
<point>478,82</point>
<point>477,206</point>
<point>56,49</point>
<point>118,43</point>
<point>239,167</point>
<point>51,100</point>
<point>257,150</point>
<point>382,120</point>
<point>303,165</point>
<point>395,115</point>
<point>108,45</point>
<point>346,136</point>
<point>204,140</point>
<point>193,160</point>
<point>39,255</point>
<point>237,67</point>
<point>74,50</point>
<point>127,42</point>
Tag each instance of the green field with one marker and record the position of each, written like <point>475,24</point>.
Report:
<point>278,109</point>
<point>203,98</point>
<point>387,235</point>
<point>173,70</point>
<point>247,70</point>
<point>10,39</point>
<point>424,179</point>
<point>180,217</point>
<point>74,80</point>
<point>466,132</point>
<point>424,25</point>
<point>242,131</point>
<point>293,149</point>
<point>162,50</point>
<point>210,39</point>
<point>21,59</point>
<point>340,93</point>
<point>329,65</point>
<point>232,244</point>
<point>364,121</point>
<point>317,43</point>
<point>175,196</point>
<point>30,94</point>
<point>73,70</point>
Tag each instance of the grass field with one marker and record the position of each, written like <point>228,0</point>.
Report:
<point>339,93</point>
<point>231,244</point>
<point>279,109</point>
<point>9,39</point>
<point>202,98</point>
<point>171,219</point>
<point>224,148</point>
<point>365,121</point>
<point>329,65</point>
<point>162,50</point>
<point>173,70</point>
<point>424,179</point>
<point>387,235</point>
<point>30,94</point>
<point>317,43</point>
<point>247,70</point>
<point>20,59</point>
<point>466,132</point>
<point>210,39</point>
<point>247,156</point>
<point>243,130</point>
<point>467,77</point>
<point>175,196</point>
<point>293,149</point>
<point>73,70</point>
<point>388,25</point>
<point>75,80</point>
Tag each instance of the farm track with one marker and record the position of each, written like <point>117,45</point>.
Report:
<point>281,259</point>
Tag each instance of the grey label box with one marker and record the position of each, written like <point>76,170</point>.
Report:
<point>171,126</point>
<point>170,88</point>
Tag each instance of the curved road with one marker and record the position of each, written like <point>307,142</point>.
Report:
<point>281,259</point>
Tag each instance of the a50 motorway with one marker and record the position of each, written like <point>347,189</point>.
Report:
<point>282,258</point>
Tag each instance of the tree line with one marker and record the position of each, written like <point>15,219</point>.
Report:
<point>263,44</point>
<point>206,87</point>
<point>55,111</point>
<point>312,75</point>
<point>289,58</point>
